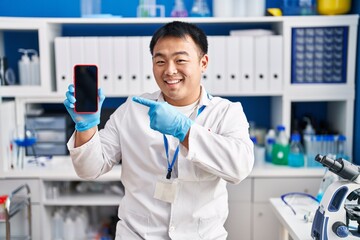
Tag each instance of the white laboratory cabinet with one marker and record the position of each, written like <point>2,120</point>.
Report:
<point>250,217</point>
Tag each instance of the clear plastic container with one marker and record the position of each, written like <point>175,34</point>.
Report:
<point>296,154</point>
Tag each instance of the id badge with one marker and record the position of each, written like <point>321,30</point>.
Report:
<point>166,189</point>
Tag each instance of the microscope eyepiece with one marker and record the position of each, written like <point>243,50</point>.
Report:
<point>340,166</point>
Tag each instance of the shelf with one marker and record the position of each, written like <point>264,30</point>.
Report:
<point>84,200</point>
<point>59,169</point>
<point>325,92</point>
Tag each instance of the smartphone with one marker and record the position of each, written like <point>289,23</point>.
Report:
<point>86,88</point>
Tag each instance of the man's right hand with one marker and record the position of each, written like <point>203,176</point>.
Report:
<point>86,121</point>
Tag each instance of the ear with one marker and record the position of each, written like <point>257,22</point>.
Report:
<point>204,62</point>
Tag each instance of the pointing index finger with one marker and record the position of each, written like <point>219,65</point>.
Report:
<point>144,101</point>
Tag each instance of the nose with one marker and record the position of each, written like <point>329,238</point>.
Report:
<point>170,69</point>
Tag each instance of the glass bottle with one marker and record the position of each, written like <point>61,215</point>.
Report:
<point>280,149</point>
<point>269,143</point>
<point>200,8</point>
<point>296,153</point>
<point>179,9</point>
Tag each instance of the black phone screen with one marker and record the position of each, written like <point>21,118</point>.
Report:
<point>86,88</point>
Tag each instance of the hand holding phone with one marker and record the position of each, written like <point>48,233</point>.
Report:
<point>86,88</point>
<point>86,119</point>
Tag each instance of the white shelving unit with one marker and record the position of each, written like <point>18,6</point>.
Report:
<point>339,99</point>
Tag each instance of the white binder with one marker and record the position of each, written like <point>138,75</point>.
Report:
<point>261,64</point>
<point>134,68</point>
<point>76,51</point>
<point>62,64</point>
<point>120,65</point>
<point>105,71</point>
<point>91,50</point>
<point>217,64</point>
<point>247,64</point>
<point>233,64</point>
<point>276,63</point>
<point>149,82</point>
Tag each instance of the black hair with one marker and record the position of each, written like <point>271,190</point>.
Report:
<point>181,30</point>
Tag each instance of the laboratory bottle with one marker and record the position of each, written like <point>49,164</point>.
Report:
<point>259,152</point>
<point>34,68</point>
<point>309,129</point>
<point>269,143</point>
<point>296,154</point>
<point>341,148</point>
<point>179,9</point>
<point>69,229</point>
<point>200,8</point>
<point>57,226</point>
<point>280,149</point>
<point>24,67</point>
<point>313,147</point>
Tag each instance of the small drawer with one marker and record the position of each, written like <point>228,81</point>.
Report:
<point>48,149</point>
<point>46,122</point>
<point>51,136</point>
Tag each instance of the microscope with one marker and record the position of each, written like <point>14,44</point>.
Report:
<point>339,209</point>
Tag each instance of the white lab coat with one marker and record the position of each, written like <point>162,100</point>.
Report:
<point>220,151</point>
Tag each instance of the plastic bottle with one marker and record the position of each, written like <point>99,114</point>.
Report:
<point>69,230</point>
<point>34,68</point>
<point>200,8</point>
<point>313,147</point>
<point>309,129</point>
<point>296,154</point>
<point>57,226</point>
<point>179,9</point>
<point>24,67</point>
<point>269,143</point>
<point>259,152</point>
<point>280,150</point>
<point>341,148</point>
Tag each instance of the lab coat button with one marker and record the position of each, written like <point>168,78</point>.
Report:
<point>171,229</point>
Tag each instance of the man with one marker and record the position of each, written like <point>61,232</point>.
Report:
<point>178,146</point>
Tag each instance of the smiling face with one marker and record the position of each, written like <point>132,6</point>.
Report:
<point>177,66</point>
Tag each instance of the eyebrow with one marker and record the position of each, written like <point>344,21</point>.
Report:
<point>174,54</point>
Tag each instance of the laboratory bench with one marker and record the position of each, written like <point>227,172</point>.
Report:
<point>249,205</point>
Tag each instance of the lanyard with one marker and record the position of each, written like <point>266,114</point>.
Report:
<point>166,146</point>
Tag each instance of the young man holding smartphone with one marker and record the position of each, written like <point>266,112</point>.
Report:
<point>178,147</point>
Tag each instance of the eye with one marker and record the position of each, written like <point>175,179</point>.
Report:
<point>181,61</point>
<point>160,62</point>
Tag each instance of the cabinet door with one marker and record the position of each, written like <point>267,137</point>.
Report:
<point>264,223</point>
<point>238,223</point>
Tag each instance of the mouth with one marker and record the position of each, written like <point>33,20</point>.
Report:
<point>172,81</point>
